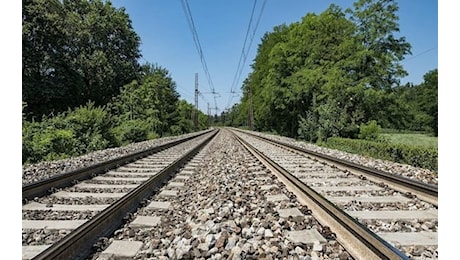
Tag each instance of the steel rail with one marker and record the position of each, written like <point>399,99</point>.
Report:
<point>424,191</point>
<point>78,243</point>
<point>360,241</point>
<point>43,187</point>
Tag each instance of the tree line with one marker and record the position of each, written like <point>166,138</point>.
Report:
<point>331,73</point>
<point>83,87</point>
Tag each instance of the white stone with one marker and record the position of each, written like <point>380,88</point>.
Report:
<point>268,233</point>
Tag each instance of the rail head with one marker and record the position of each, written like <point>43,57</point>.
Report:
<point>427,192</point>
<point>44,187</point>
<point>78,243</point>
<point>361,241</point>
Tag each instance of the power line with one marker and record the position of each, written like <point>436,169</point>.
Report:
<point>196,40</point>
<point>420,54</point>
<point>244,46</point>
<point>253,34</point>
<point>185,91</point>
<point>234,83</point>
<point>145,59</point>
<point>244,55</point>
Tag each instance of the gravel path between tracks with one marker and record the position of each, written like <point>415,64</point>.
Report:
<point>423,175</point>
<point>340,184</point>
<point>223,212</point>
<point>43,170</point>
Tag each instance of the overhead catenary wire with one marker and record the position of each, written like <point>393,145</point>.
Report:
<point>420,54</point>
<point>196,40</point>
<point>145,59</point>
<point>244,46</point>
<point>244,54</point>
<point>185,92</point>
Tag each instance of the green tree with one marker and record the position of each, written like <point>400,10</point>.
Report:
<point>310,67</point>
<point>256,83</point>
<point>428,99</point>
<point>185,122</point>
<point>422,103</point>
<point>369,131</point>
<point>153,99</point>
<point>75,51</point>
<point>377,24</point>
<point>331,72</point>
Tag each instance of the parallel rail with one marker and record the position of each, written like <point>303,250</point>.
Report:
<point>362,242</point>
<point>44,187</point>
<point>78,244</point>
<point>424,191</point>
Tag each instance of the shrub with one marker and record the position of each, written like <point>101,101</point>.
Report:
<point>29,130</point>
<point>152,136</point>
<point>308,128</point>
<point>369,131</point>
<point>73,133</point>
<point>175,130</point>
<point>42,142</point>
<point>91,126</point>
<point>131,131</point>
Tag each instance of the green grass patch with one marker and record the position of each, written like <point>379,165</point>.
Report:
<point>413,139</point>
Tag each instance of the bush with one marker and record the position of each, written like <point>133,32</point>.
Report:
<point>152,136</point>
<point>369,131</point>
<point>416,156</point>
<point>91,126</point>
<point>176,130</point>
<point>56,144</point>
<point>350,131</point>
<point>308,128</point>
<point>73,133</point>
<point>29,129</point>
<point>131,131</point>
<point>41,142</point>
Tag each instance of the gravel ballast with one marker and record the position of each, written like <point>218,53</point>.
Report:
<point>43,170</point>
<point>423,175</point>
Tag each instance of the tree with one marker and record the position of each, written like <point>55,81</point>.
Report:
<point>330,72</point>
<point>377,22</point>
<point>422,103</point>
<point>256,82</point>
<point>75,51</point>
<point>429,98</point>
<point>153,99</point>
<point>185,122</point>
<point>310,66</point>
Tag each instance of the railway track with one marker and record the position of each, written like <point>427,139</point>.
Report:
<point>66,223</point>
<point>399,211</point>
<point>223,202</point>
<point>226,205</point>
<point>47,182</point>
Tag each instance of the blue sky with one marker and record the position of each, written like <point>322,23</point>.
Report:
<point>222,26</point>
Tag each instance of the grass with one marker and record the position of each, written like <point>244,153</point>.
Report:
<point>421,140</point>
